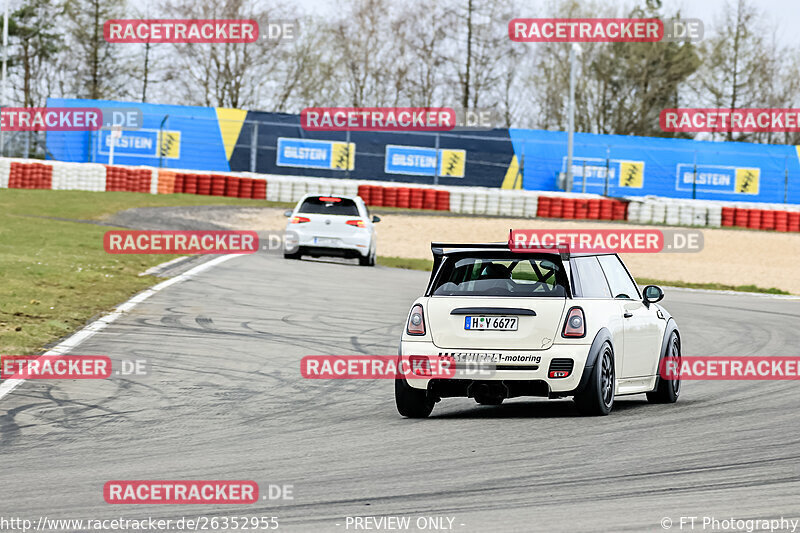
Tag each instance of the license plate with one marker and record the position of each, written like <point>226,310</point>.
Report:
<point>325,240</point>
<point>493,323</point>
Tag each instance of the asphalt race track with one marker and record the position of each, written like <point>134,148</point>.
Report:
<point>224,399</point>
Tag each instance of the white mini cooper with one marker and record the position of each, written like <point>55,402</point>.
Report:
<point>548,324</point>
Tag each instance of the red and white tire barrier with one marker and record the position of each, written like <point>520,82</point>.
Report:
<point>56,175</point>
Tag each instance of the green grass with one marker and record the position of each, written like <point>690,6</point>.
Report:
<point>427,264</point>
<point>55,274</point>
<point>407,263</point>
<point>84,205</point>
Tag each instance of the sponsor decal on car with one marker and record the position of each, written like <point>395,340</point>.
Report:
<point>491,357</point>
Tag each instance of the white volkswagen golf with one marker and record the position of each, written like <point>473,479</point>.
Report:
<point>546,324</point>
<point>331,226</point>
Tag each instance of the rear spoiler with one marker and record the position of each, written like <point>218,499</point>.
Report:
<point>439,249</point>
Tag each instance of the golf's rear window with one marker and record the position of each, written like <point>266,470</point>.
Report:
<point>329,205</point>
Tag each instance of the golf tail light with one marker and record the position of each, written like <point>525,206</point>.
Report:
<point>299,220</point>
<point>357,223</point>
<point>416,322</point>
<point>575,326</point>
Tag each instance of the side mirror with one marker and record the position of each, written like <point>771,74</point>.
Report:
<point>287,213</point>
<point>652,294</point>
<point>376,218</point>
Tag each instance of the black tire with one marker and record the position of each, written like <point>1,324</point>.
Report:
<point>411,402</point>
<point>295,255</point>
<point>668,390</point>
<point>598,398</point>
<point>367,261</point>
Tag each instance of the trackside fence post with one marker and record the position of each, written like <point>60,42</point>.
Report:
<point>254,147</point>
<point>436,170</point>
<point>786,180</point>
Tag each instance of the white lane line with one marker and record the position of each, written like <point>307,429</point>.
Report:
<point>158,268</point>
<point>735,293</point>
<point>77,338</point>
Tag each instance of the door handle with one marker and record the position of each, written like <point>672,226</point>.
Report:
<point>627,314</point>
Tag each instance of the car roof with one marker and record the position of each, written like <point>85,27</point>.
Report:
<point>442,248</point>
<point>318,195</point>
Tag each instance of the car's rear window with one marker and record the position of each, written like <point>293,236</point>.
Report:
<point>487,276</point>
<point>328,205</point>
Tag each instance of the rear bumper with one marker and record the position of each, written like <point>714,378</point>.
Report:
<point>536,374</point>
<point>356,245</point>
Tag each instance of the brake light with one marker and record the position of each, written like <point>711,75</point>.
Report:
<point>575,325</point>
<point>329,199</point>
<point>299,220</point>
<point>420,365</point>
<point>358,223</point>
<point>416,322</point>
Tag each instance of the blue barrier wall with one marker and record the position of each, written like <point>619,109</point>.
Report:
<point>676,168</point>
<point>274,143</point>
<point>478,158</point>
<point>189,139</point>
